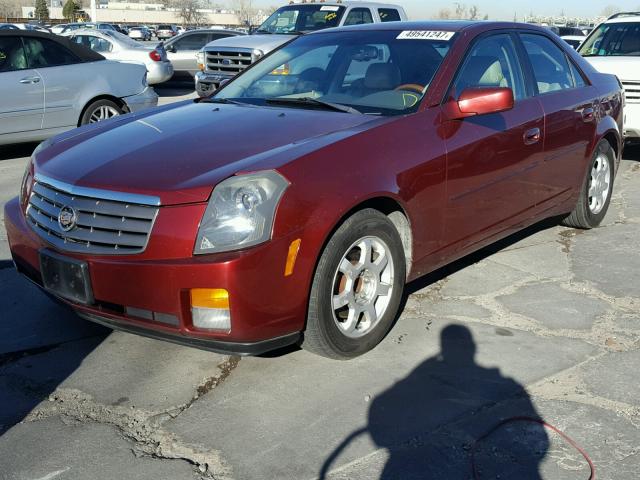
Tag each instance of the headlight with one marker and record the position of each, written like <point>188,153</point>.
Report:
<point>200,60</point>
<point>257,54</point>
<point>27,178</point>
<point>240,212</point>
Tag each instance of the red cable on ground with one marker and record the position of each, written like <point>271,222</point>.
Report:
<point>569,440</point>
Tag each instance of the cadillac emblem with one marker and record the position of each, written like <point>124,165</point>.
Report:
<point>67,218</point>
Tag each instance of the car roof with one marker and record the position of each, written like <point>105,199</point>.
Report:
<point>624,17</point>
<point>446,25</point>
<point>347,4</point>
<point>83,53</point>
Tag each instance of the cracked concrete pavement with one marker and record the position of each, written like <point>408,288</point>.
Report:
<point>544,325</point>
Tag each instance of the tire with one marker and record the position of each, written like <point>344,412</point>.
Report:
<point>597,188</point>
<point>356,282</point>
<point>100,110</point>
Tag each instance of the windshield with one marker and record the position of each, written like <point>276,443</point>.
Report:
<point>613,39</point>
<point>302,18</point>
<point>373,72</point>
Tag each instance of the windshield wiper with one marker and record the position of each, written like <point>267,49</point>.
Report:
<point>338,107</point>
<point>218,100</point>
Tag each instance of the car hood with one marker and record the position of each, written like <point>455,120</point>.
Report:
<point>180,153</point>
<point>625,68</point>
<point>266,43</point>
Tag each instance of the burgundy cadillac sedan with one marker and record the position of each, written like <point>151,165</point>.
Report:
<point>294,204</point>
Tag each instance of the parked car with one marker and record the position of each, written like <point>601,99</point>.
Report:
<point>182,49</point>
<point>116,46</point>
<point>57,29</point>
<point>152,31</point>
<point>166,31</point>
<point>31,26</point>
<point>50,85</point>
<point>8,26</point>
<point>614,47</point>
<point>574,40</point>
<point>222,59</point>
<point>294,207</point>
<point>69,27</point>
<point>140,33</point>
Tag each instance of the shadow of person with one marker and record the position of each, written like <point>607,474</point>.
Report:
<point>451,418</point>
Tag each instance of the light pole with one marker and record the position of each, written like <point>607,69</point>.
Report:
<point>94,11</point>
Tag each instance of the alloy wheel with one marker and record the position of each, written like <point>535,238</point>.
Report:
<point>103,112</point>
<point>599,182</point>
<point>362,286</point>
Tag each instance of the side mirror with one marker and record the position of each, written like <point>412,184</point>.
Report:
<point>171,48</point>
<point>480,101</point>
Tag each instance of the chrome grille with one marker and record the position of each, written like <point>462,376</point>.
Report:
<point>103,225</point>
<point>228,61</point>
<point>631,91</point>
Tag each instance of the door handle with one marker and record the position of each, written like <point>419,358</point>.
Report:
<point>532,136</point>
<point>30,80</point>
<point>588,114</point>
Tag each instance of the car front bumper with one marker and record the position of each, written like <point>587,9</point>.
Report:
<point>158,72</point>
<point>146,99</point>
<point>207,83</point>
<point>632,121</point>
<point>267,309</point>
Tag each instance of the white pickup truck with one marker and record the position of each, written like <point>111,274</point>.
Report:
<point>222,59</point>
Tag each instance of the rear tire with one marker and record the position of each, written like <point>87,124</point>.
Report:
<point>100,110</point>
<point>597,188</point>
<point>357,287</point>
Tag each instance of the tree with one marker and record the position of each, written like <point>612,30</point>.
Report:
<point>42,12</point>
<point>10,9</point>
<point>444,14</point>
<point>610,10</point>
<point>189,12</point>
<point>245,12</point>
<point>69,10</point>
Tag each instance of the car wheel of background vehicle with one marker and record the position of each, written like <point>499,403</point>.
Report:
<point>596,190</point>
<point>357,287</point>
<point>100,110</point>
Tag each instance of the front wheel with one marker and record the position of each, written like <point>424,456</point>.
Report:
<point>596,190</point>
<point>100,110</point>
<point>357,287</point>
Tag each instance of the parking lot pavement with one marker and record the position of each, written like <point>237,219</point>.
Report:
<point>544,325</point>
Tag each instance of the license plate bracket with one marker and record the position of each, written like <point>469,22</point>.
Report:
<point>66,277</point>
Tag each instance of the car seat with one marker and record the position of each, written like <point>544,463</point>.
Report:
<point>482,71</point>
<point>378,77</point>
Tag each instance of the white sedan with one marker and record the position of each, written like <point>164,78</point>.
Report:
<point>116,46</point>
<point>50,85</point>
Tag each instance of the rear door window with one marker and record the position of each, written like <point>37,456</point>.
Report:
<point>194,41</point>
<point>358,16</point>
<point>550,65</point>
<point>96,44</point>
<point>12,55</point>
<point>389,15</point>
<point>42,52</point>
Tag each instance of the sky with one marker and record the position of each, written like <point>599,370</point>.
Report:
<point>505,9</point>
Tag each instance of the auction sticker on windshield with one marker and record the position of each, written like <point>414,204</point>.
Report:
<point>425,35</point>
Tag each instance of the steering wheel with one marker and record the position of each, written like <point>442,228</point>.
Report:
<point>411,86</point>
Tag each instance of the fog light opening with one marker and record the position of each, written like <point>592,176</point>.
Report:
<point>210,309</point>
